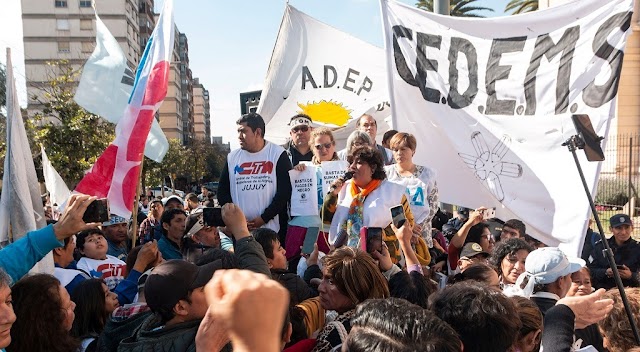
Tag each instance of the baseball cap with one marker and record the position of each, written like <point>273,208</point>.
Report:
<point>300,120</point>
<point>167,199</point>
<point>545,265</point>
<point>172,280</point>
<point>472,249</point>
<point>114,220</point>
<point>195,223</point>
<point>463,211</point>
<point>620,219</point>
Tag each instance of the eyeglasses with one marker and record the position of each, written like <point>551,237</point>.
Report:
<point>325,146</point>
<point>303,128</point>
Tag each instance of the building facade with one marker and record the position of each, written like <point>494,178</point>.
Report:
<point>201,115</point>
<point>57,30</point>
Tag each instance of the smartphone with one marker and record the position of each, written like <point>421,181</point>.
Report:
<point>212,216</point>
<point>489,213</point>
<point>341,239</point>
<point>310,239</point>
<point>97,211</point>
<point>592,147</point>
<point>397,216</point>
<point>374,239</point>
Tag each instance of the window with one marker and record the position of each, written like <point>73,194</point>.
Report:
<point>60,3</point>
<point>85,3</point>
<point>87,47</point>
<point>86,25</point>
<point>63,47</point>
<point>62,24</point>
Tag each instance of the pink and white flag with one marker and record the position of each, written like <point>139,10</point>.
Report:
<point>116,172</point>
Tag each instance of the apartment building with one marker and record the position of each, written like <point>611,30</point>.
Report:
<point>66,30</point>
<point>201,113</point>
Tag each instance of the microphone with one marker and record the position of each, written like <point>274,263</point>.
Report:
<point>347,176</point>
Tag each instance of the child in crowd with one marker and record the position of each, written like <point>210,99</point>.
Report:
<point>92,246</point>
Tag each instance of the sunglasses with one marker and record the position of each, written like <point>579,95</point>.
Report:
<point>325,146</point>
<point>302,128</point>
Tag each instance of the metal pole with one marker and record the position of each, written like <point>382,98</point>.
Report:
<point>441,7</point>
<point>573,143</point>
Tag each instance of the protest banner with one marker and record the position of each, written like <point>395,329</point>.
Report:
<point>106,84</point>
<point>115,174</point>
<point>304,192</point>
<point>333,87</point>
<point>490,101</point>
<point>331,171</point>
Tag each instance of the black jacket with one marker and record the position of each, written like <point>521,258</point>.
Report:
<point>114,332</point>
<point>178,338</point>
<point>627,254</point>
<point>297,287</point>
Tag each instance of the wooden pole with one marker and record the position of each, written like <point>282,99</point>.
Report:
<point>134,213</point>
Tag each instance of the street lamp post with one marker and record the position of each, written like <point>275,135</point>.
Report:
<point>441,7</point>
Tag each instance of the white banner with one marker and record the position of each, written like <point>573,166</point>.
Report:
<point>304,191</point>
<point>333,84</point>
<point>490,102</point>
<point>331,171</point>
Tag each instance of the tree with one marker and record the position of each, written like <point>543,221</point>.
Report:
<point>458,8</point>
<point>72,137</point>
<point>521,6</point>
<point>3,86</point>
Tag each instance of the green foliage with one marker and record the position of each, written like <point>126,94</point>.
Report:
<point>73,138</point>
<point>198,161</point>
<point>458,8</point>
<point>614,191</point>
<point>521,6</point>
<point>3,86</point>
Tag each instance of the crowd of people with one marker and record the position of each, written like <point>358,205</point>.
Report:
<point>373,281</point>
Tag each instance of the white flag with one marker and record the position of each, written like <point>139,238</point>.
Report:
<point>332,83</point>
<point>58,190</point>
<point>106,85</point>
<point>21,207</point>
<point>490,101</point>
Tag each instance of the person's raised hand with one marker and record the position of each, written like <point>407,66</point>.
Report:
<point>588,309</point>
<point>476,216</point>
<point>148,255</point>
<point>383,257</point>
<point>71,221</point>
<point>336,186</point>
<point>404,233</point>
<point>313,256</point>
<point>251,306</point>
<point>235,220</point>
<point>300,167</point>
<point>212,333</point>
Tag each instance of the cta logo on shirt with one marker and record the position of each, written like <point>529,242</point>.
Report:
<point>254,168</point>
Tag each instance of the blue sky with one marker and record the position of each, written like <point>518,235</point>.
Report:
<point>230,42</point>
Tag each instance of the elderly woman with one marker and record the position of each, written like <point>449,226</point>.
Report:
<point>420,182</point>
<point>356,139</point>
<point>364,201</point>
<point>581,286</point>
<point>45,315</point>
<point>323,146</point>
<point>509,258</point>
<point>349,277</point>
<point>615,327</point>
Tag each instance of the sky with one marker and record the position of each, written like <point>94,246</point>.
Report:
<point>230,42</point>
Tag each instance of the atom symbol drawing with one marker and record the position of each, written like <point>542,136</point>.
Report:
<point>488,165</point>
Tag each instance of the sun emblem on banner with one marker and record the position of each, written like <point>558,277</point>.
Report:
<point>488,164</point>
<point>326,112</point>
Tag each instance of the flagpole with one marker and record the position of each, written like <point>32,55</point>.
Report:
<point>136,205</point>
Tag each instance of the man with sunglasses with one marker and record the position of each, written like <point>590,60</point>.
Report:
<point>298,148</point>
